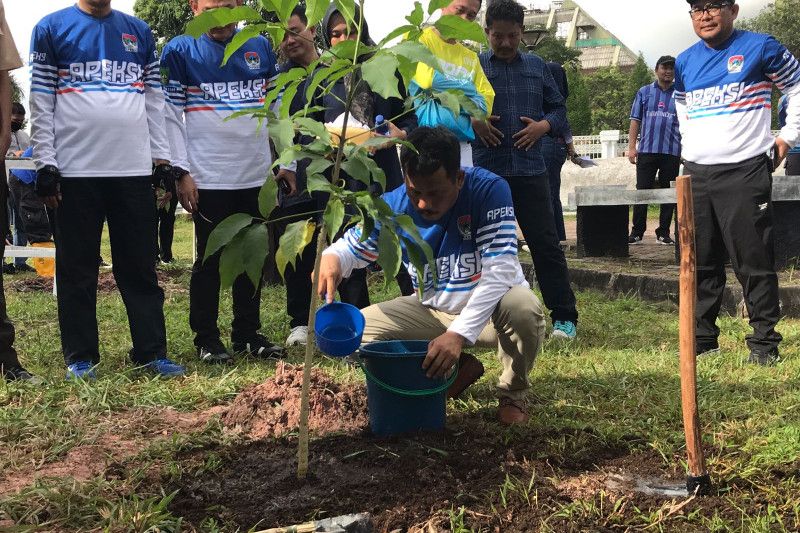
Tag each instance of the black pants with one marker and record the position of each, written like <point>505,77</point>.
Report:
<point>652,170</point>
<point>793,165</point>
<point>733,212</point>
<point>128,205</point>
<point>215,206</point>
<point>8,356</point>
<point>534,211</point>
<point>555,154</point>
<point>166,229</point>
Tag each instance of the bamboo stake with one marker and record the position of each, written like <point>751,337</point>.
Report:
<point>302,447</point>
<point>697,479</point>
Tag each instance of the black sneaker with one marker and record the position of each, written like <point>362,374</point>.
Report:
<point>768,358</point>
<point>706,348</point>
<point>214,352</point>
<point>259,346</point>
<point>17,373</point>
<point>665,239</point>
<point>635,239</point>
<point>9,268</point>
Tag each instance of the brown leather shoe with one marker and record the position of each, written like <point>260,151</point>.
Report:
<point>470,370</point>
<point>512,412</point>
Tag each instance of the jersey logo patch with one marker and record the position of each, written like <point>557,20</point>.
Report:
<point>130,42</point>
<point>252,59</point>
<point>465,227</point>
<point>735,64</point>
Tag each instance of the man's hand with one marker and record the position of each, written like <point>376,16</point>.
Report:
<point>330,275</point>
<point>188,195</point>
<point>531,133</point>
<point>486,132</point>
<point>779,152</point>
<point>443,354</point>
<point>47,185</point>
<point>632,154</point>
<point>290,178</point>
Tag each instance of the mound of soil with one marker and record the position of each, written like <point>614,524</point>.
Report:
<point>272,408</point>
<point>105,282</point>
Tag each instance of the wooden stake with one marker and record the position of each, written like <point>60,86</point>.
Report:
<point>302,445</point>
<point>698,479</point>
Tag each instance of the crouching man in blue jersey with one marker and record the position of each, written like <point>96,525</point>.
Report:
<point>221,165</point>
<point>481,295</point>
<point>723,88</point>
<point>97,124</point>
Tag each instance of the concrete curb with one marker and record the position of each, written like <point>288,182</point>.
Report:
<point>658,289</point>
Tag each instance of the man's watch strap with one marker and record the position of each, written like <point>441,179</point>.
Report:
<point>179,172</point>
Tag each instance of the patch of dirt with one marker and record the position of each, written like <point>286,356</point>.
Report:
<point>105,282</point>
<point>272,408</point>
<point>121,436</point>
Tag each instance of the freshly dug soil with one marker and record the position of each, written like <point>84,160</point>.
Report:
<point>105,282</point>
<point>272,408</point>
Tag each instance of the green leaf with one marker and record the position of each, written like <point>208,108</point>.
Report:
<point>313,128</point>
<point>466,103</point>
<point>282,8</point>
<point>417,258</point>
<point>407,224</point>
<point>435,5</point>
<point>293,242</point>
<point>231,263</point>
<point>282,81</point>
<point>376,172</point>
<point>215,18</point>
<point>348,11</point>
<point>315,11</point>
<point>395,33</point>
<point>318,165</point>
<point>225,231</point>
<point>450,102</point>
<point>415,52</point>
<point>255,245</point>
<point>287,98</point>
<point>268,197</point>
<point>357,169</point>
<point>388,253</point>
<point>417,16</point>
<point>333,216</point>
<point>453,27</point>
<point>379,72</point>
<point>367,227</point>
<point>316,182</point>
<point>242,36</point>
<point>282,134</point>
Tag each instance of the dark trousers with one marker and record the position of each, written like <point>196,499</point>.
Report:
<point>555,154</point>
<point>8,356</point>
<point>652,170</point>
<point>793,165</point>
<point>534,211</point>
<point>128,206</point>
<point>215,206</point>
<point>733,212</point>
<point>166,229</point>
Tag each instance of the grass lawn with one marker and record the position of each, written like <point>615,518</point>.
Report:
<point>121,454</point>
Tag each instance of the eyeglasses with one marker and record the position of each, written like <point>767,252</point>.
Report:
<point>712,9</point>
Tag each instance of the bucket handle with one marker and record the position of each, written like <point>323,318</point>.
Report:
<point>411,393</point>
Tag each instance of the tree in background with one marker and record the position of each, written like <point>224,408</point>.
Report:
<point>16,89</point>
<point>607,88</point>
<point>167,18</point>
<point>579,103</point>
<point>640,75</point>
<point>780,19</point>
<point>554,49</point>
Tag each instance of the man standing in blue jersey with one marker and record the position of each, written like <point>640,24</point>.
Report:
<point>97,124</point>
<point>467,217</point>
<point>221,165</point>
<point>527,106</point>
<point>655,124</point>
<point>723,89</point>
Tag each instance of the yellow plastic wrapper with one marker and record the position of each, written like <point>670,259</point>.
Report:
<point>45,266</point>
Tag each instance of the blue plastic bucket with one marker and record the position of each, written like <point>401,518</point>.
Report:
<point>338,328</point>
<point>401,399</point>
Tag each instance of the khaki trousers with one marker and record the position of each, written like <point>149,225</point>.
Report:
<point>516,330</point>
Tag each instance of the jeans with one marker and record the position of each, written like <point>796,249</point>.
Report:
<point>555,154</point>
<point>733,213</point>
<point>652,169</point>
<point>128,205</point>
<point>216,206</point>
<point>534,211</point>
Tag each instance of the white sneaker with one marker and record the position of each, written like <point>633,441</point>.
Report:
<point>298,336</point>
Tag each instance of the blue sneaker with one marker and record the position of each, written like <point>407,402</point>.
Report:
<point>81,370</point>
<point>166,368</point>
<point>565,329</point>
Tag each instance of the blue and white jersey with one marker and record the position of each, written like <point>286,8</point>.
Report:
<point>783,105</point>
<point>201,94</point>
<point>654,108</point>
<point>97,106</point>
<point>475,246</point>
<point>724,100</point>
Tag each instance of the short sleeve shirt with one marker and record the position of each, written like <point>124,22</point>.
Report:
<point>9,56</point>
